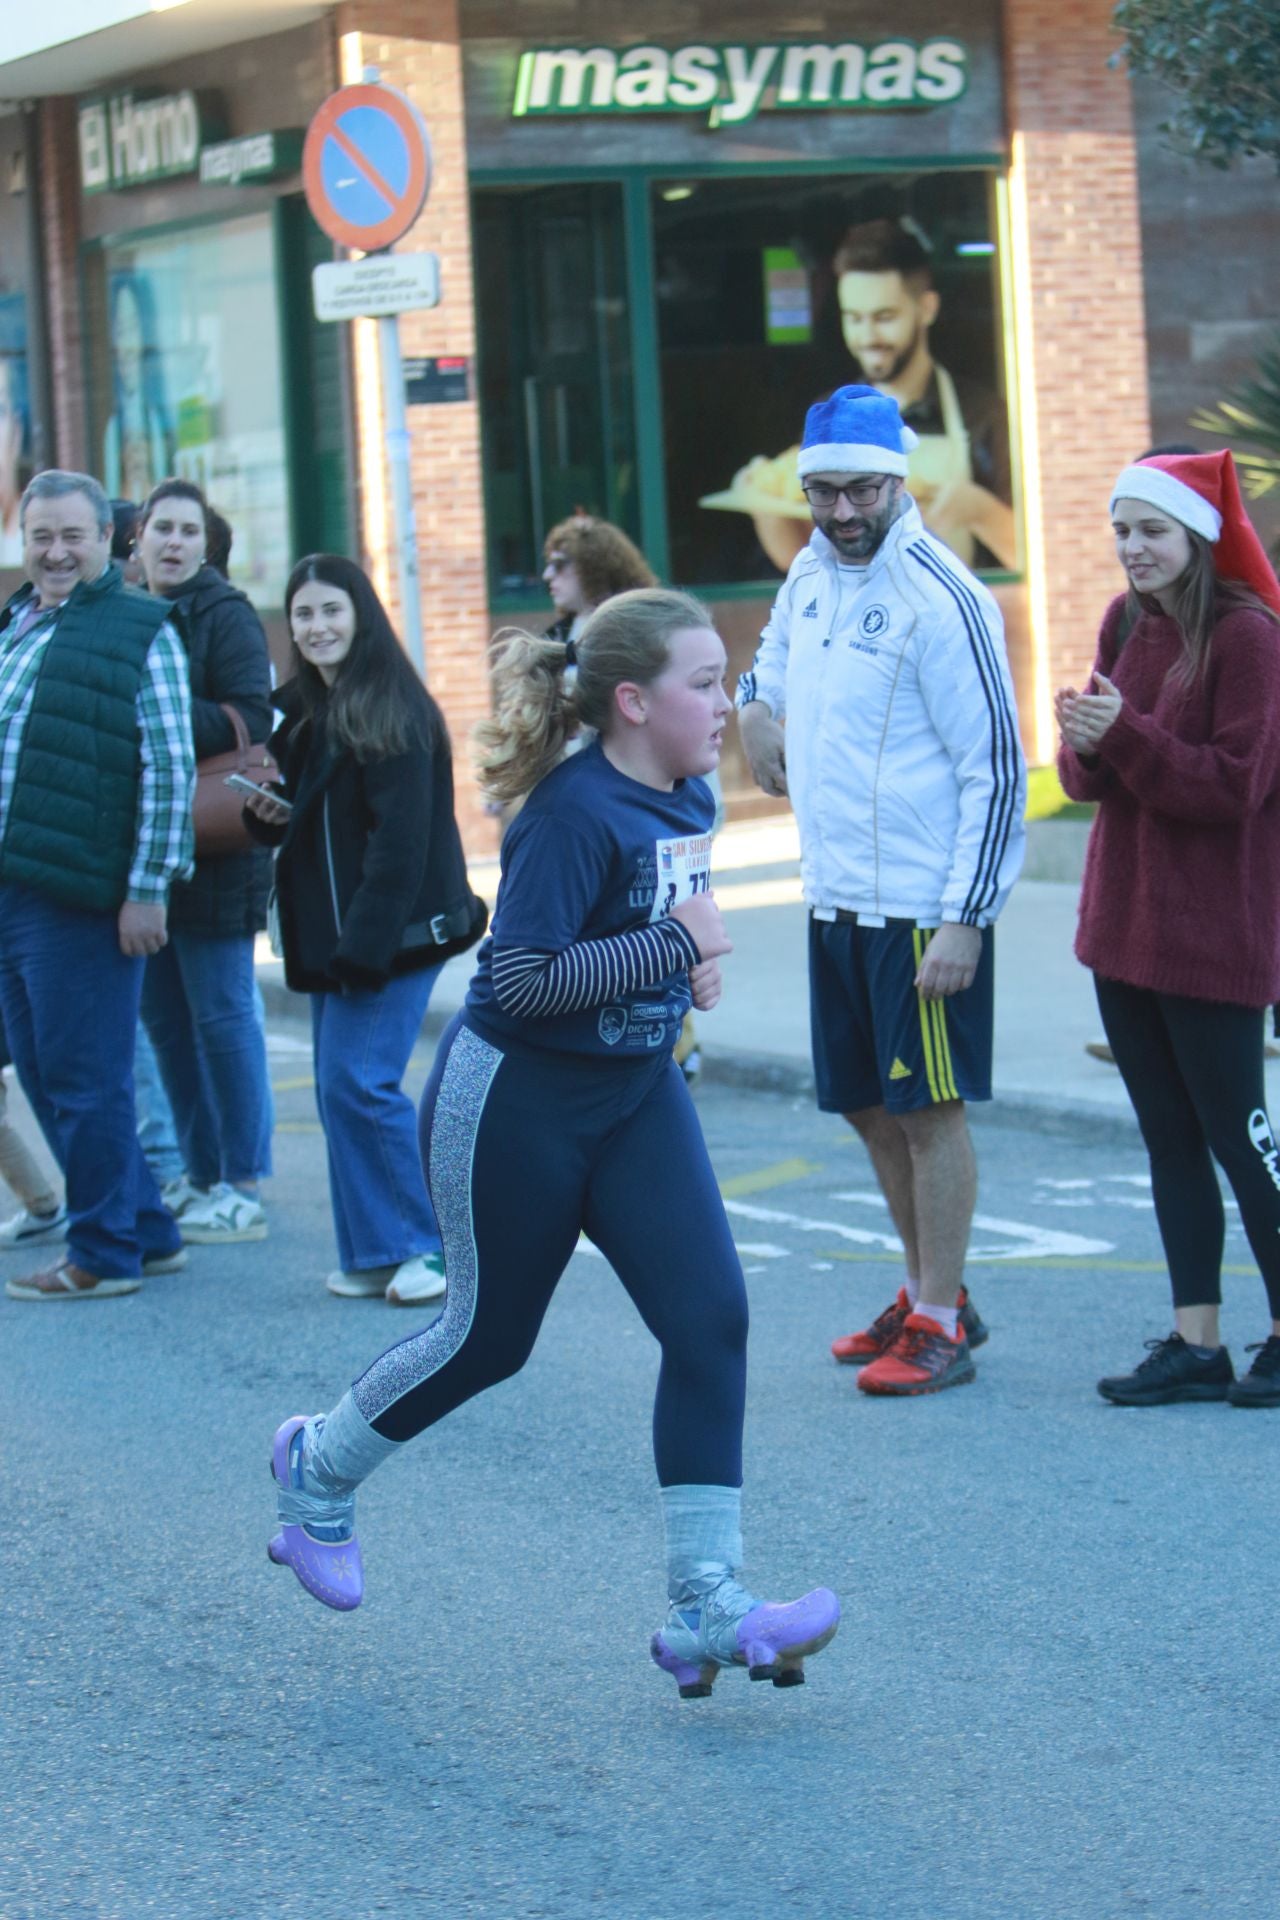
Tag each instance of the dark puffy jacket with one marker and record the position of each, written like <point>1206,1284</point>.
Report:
<point>227,651</point>
<point>370,859</point>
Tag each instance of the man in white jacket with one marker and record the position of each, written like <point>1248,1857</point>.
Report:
<point>880,700</point>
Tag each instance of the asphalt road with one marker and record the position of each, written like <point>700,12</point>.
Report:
<point>1053,1694</point>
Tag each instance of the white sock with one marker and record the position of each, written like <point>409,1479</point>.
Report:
<point>912,1286</point>
<point>946,1317</point>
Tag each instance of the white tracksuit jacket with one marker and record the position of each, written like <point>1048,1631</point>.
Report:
<point>903,760</point>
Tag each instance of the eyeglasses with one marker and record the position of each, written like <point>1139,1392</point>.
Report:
<point>859,493</point>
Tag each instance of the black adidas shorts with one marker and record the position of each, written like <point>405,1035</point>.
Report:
<point>876,1043</point>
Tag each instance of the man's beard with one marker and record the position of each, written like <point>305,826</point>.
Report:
<point>871,529</point>
<point>900,362</point>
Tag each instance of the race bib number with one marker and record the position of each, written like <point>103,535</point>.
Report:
<point>684,868</point>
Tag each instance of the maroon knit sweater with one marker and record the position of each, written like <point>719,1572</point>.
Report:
<point>1182,878</point>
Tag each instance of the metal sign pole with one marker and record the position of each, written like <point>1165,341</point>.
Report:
<point>359,143</point>
<point>404,531</point>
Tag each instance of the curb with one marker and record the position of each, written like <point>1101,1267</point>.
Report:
<point>1075,1120</point>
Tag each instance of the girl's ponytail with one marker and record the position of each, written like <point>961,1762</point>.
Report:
<point>534,715</point>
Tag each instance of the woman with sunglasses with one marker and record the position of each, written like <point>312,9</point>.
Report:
<point>587,562</point>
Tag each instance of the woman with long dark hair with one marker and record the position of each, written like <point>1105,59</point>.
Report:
<point>1178,740</point>
<point>373,896</point>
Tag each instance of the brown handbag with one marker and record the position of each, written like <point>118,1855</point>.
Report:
<point>219,810</point>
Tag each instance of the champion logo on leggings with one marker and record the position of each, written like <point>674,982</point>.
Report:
<point>1265,1141</point>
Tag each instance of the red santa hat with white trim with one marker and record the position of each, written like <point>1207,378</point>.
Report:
<point>1201,491</point>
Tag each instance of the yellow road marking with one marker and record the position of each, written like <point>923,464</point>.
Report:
<point>766,1177</point>
<point>292,1086</point>
<point>298,1126</point>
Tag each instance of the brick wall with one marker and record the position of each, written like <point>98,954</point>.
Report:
<point>60,236</point>
<point>415,46</point>
<point>1080,319</point>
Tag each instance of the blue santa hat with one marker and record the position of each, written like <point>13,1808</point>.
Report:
<point>856,430</point>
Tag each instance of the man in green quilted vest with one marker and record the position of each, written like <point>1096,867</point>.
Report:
<point>96,780</point>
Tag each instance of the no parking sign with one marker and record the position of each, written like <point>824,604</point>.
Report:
<point>366,166</point>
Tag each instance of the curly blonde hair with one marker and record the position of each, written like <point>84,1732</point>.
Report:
<point>536,713</point>
<point>607,562</point>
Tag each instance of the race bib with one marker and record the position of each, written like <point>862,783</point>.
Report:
<point>683,869</point>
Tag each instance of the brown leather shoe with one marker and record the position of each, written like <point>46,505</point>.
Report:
<point>67,1281</point>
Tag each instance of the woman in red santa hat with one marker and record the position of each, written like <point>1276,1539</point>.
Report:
<point>1177,737</point>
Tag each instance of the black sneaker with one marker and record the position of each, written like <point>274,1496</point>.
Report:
<point>1170,1372</point>
<point>1260,1387</point>
<point>975,1332</point>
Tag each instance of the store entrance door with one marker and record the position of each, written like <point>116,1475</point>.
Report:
<point>555,368</point>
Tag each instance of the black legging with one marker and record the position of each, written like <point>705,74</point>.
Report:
<point>526,1148</point>
<point>1193,1070</point>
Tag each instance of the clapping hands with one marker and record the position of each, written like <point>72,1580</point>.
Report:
<point>1086,718</point>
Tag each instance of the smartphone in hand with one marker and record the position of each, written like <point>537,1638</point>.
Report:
<point>243,785</point>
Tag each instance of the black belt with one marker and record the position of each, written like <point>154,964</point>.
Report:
<point>439,930</point>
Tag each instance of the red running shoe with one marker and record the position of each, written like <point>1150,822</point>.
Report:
<point>855,1349</point>
<point>923,1359</point>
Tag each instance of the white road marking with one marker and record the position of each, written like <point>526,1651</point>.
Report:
<point>762,1249</point>
<point>775,1217</point>
<point>1030,1242</point>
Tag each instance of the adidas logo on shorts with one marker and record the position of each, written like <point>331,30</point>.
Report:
<point>898,1072</point>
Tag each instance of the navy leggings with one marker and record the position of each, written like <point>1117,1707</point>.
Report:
<point>526,1149</point>
<point>1193,1070</point>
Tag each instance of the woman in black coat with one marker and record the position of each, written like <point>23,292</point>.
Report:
<point>199,996</point>
<point>371,886</point>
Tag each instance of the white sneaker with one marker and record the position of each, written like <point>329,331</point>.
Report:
<point>27,1229</point>
<point>417,1280</point>
<point>361,1283</point>
<point>165,1262</point>
<point>223,1217</point>
<point>178,1195</point>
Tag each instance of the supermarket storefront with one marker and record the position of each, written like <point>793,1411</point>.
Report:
<point>679,246</point>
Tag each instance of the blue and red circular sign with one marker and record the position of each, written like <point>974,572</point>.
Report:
<point>366,166</point>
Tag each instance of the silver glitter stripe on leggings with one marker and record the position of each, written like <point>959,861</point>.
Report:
<point>464,1088</point>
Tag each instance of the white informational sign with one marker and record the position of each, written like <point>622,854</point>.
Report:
<point>380,284</point>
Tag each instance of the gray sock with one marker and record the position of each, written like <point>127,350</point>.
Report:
<point>703,1528</point>
<point>341,1449</point>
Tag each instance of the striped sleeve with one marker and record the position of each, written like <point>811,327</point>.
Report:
<point>532,985</point>
<point>966,684</point>
<point>164,850</point>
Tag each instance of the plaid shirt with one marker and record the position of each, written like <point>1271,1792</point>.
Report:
<point>164,849</point>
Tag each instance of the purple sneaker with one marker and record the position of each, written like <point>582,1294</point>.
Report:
<point>771,1640</point>
<point>330,1568</point>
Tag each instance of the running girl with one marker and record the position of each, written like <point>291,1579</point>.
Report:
<point>554,1108</point>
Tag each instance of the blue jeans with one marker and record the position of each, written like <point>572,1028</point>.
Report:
<point>156,1133</point>
<point>381,1213</point>
<point>70,1005</point>
<point>198,1004</point>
